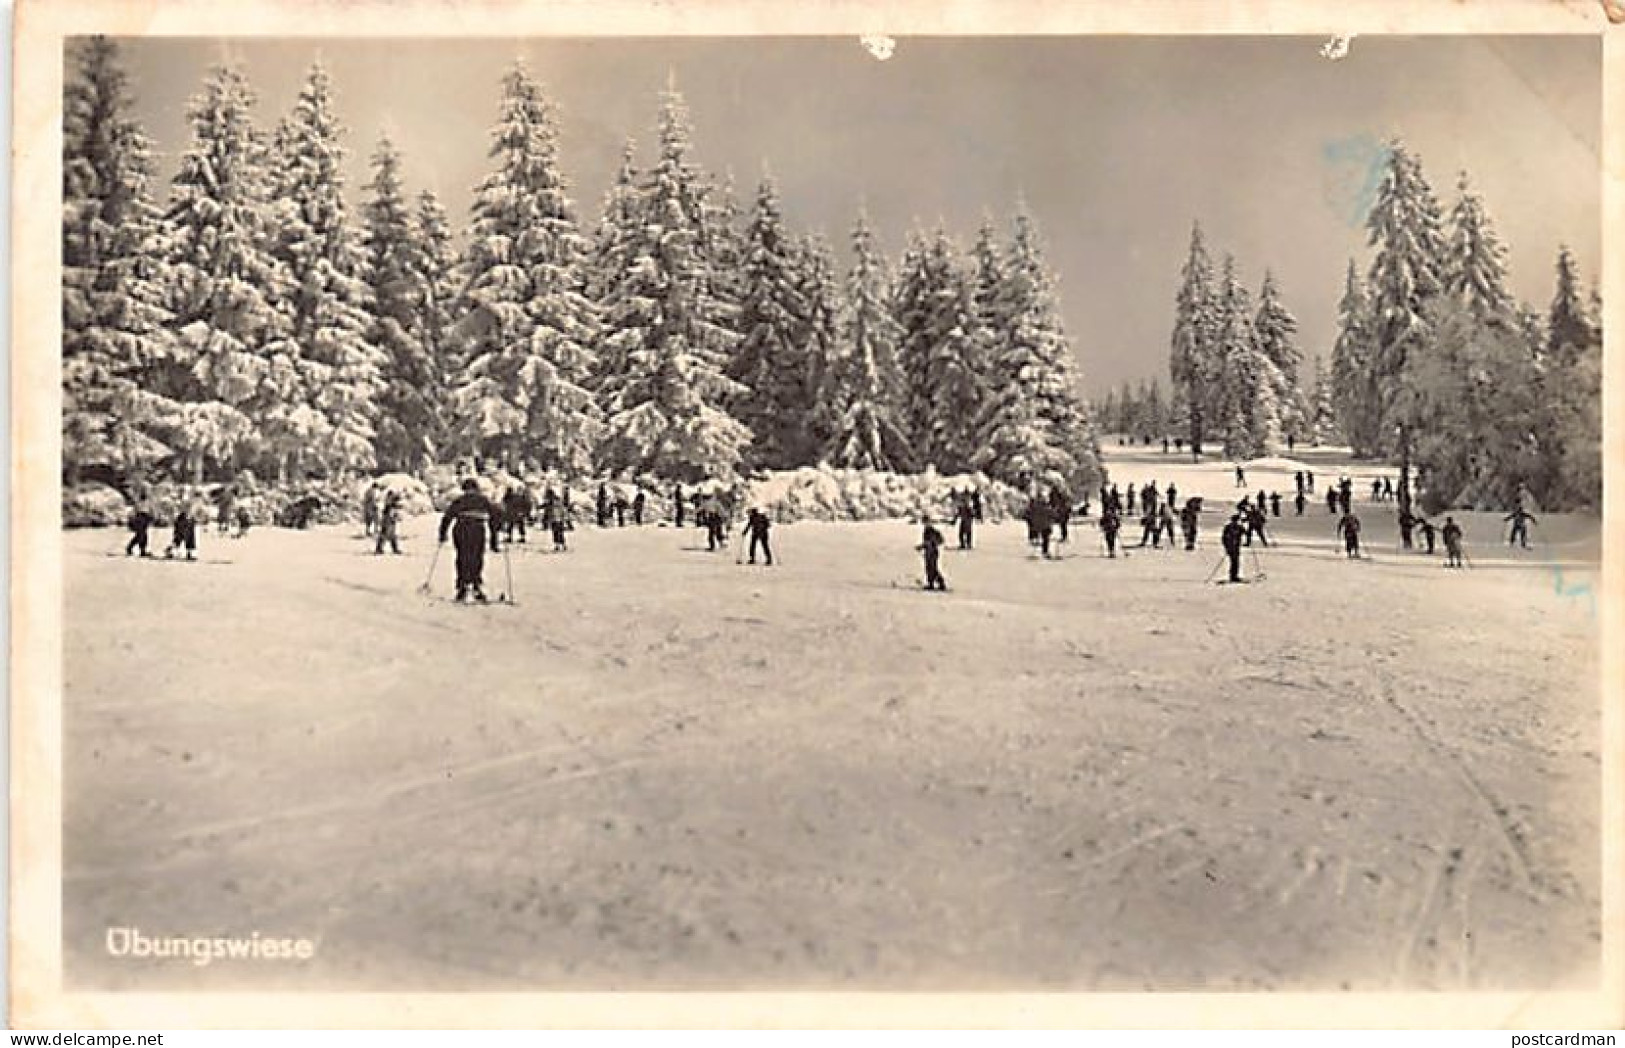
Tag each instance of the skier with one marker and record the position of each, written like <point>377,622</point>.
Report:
<point>1299,502</point>
<point>1407,524</point>
<point>638,503</point>
<point>243,522</point>
<point>711,518</point>
<point>677,503</point>
<point>1297,479</point>
<point>1230,538</point>
<point>369,508</point>
<point>1165,445</point>
<point>1388,488</point>
<point>1150,530</point>
<point>1261,503</point>
<point>1348,526</point>
<point>1521,519</point>
<point>553,517</point>
<point>138,523</point>
<point>757,526</point>
<point>1308,480</point>
<point>1173,494</point>
<point>1376,490</point>
<point>1255,524</point>
<point>516,507</point>
<point>1149,496</point>
<point>473,516</point>
<point>1331,500</point>
<point>1128,502</point>
<point>569,515</point>
<point>1346,494</point>
<point>931,546</point>
<point>965,515</point>
<point>1189,518</point>
<point>620,509</point>
<point>1427,533</point>
<point>225,508</point>
<point>1110,525</point>
<point>1452,542</point>
<point>1241,476</point>
<point>1275,503</point>
<point>1061,509</point>
<point>389,519</point>
<point>184,534</point>
<point>602,506</point>
<point>1165,523</point>
<point>976,503</point>
<point>1039,522</point>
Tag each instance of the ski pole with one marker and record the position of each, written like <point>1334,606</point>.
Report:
<point>507,565</point>
<point>1216,565</point>
<point>429,579</point>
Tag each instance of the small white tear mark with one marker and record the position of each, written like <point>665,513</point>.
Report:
<point>879,46</point>
<point>1335,48</point>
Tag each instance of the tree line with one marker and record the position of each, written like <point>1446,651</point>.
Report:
<point>255,320</point>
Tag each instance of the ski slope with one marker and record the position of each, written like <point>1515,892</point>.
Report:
<point>663,770</point>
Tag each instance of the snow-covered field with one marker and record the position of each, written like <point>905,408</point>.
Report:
<point>661,769</point>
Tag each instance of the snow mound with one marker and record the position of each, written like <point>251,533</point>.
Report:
<point>93,506</point>
<point>829,494</point>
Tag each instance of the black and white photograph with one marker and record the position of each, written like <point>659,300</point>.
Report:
<point>1054,513</point>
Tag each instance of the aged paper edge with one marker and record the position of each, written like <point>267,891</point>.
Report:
<point>37,998</point>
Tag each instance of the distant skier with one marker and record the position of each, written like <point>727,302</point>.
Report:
<point>244,522</point>
<point>1190,519</point>
<point>1308,480</point>
<point>1345,489</point>
<point>1149,496</point>
<point>1297,479</point>
<point>1150,530</point>
<point>1261,502</point>
<point>1388,488</point>
<point>553,517</point>
<point>965,516</point>
<point>1520,519</point>
<point>1165,523</point>
<point>757,526</point>
<point>369,509</point>
<point>1165,445</point>
<point>1407,524</point>
<point>1275,503</point>
<point>1452,542</point>
<point>931,546</point>
<point>469,519</point>
<point>1110,525</point>
<point>1241,476</point>
<point>516,509</point>
<point>677,504</point>
<point>139,523</point>
<point>1427,533</point>
<point>1348,526</point>
<point>1039,522</point>
<point>601,505</point>
<point>1128,500</point>
<point>1331,500</point>
<point>184,533</point>
<point>1299,502</point>
<point>1254,518</point>
<point>638,504</point>
<point>711,518</point>
<point>389,519</point>
<point>1376,490</point>
<point>1230,538</point>
<point>1061,509</point>
<point>225,508</point>
<point>1173,494</point>
<point>621,507</point>
<point>976,503</point>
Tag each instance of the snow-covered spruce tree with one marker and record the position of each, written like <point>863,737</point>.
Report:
<point>1359,418</point>
<point>665,408</point>
<point>408,404</point>
<point>235,372</point>
<point>437,276</point>
<point>612,255</point>
<point>1475,268</point>
<point>1033,427</point>
<point>521,396</point>
<point>1193,354</point>
<point>940,355</point>
<point>866,434</point>
<point>1323,425</point>
<point>771,362</point>
<point>1277,332</point>
<point>1405,228</point>
<point>1155,412</point>
<point>114,330</point>
<point>327,297</point>
<point>1244,393</point>
<point>1572,366</point>
<point>821,347</point>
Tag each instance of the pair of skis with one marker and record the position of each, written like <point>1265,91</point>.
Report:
<point>506,597</point>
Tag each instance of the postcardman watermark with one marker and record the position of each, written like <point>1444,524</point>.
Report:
<point>203,950</point>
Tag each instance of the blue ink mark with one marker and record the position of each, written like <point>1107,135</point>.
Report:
<point>1575,592</point>
<point>1354,170</point>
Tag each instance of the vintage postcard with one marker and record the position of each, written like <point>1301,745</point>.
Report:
<point>995,514</point>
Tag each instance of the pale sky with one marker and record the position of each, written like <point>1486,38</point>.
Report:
<point>1115,144</point>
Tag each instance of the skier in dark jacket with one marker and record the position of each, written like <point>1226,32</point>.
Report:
<point>1039,522</point>
<point>1299,502</point>
<point>1331,500</point>
<point>976,503</point>
<point>1230,538</point>
<point>389,522</point>
<point>516,508</point>
<point>757,526</point>
<point>1128,500</point>
<point>1348,526</point>
<point>931,546</point>
<point>1189,519</point>
<point>602,506</point>
<point>1110,525</point>
<point>638,502</point>
<point>710,517</point>
<point>1427,532</point>
<point>140,521</point>
<point>965,515</point>
<point>1407,524</point>
<point>1060,507</point>
<point>677,504</point>
<point>1254,517</point>
<point>1520,519</point>
<point>553,517</point>
<point>469,519</point>
<point>1452,542</point>
<point>184,535</point>
<point>1275,503</point>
